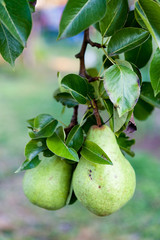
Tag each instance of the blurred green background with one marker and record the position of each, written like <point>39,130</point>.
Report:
<point>26,92</point>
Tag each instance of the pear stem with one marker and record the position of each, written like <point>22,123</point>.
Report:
<point>96,113</point>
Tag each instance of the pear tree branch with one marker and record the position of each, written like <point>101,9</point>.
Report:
<point>83,72</point>
<point>74,120</point>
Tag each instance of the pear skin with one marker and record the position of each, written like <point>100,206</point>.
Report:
<point>103,189</point>
<point>48,185</point>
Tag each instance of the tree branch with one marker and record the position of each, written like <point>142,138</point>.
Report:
<point>74,121</point>
<point>81,54</point>
<point>83,73</point>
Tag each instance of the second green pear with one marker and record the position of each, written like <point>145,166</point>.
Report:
<point>103,189</point>
<point>48,185</point>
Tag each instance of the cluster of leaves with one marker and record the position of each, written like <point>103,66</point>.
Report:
<point>48,139</point>
<point>129,33</point>
<point>128,37</point>
<point>75,90</point>
<point>15,27</point>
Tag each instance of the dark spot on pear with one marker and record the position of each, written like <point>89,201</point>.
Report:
<point>90,170</point>
<point>99,186</point>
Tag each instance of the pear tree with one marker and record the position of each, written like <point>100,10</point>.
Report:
<point>87,159</point>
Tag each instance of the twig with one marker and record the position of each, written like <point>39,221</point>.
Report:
<point>83,73</point>
<point>81,55</point>
<point>93,79</point>
<point>74,120</point>
<point>94,44</point>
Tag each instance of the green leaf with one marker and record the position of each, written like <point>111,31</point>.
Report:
<point>61,133</point>
<point>75,138</point>
<point>10,48</point>
<point>147,95</point>
<point>90,120</point>
<point>31,123</point>
<point>79,15</point>
<point>155,72</point>
<point>149,12</point>
<point>126,39</point>
<point>102,91</point>
<point>58,147</point>
<point>44,126</point>
<point>128,124</point>
<point>78,87</point>
<point>100,104</point>
<point>93,72</point>
<point>15,27</point>
<point>66,99</point>
<point>115,17</point>
<point>16,18</point>
<point>142,110</point>
<point>122,85</point>
<point>140,55</point>
<point>139,19</point>
<point>131,20</point>
<point>32,164</point>
<point>95,85</point>
<point>97,27</point>
<point>123,63</point>
<point>48,153</point>
<point>107,62</point>
<point>92,152</point>
<point>29,164</point>
<point>125,144</point>
<point>34,147</point>
<point>109,107</point>
<point>137,71</point>
<point>118,121</point>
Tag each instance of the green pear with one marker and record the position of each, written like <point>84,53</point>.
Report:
<point>103,189</point>
<point>48,185</point>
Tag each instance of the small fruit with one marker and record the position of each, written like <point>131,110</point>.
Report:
<point>103,189</point>
<point>47,185</point>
